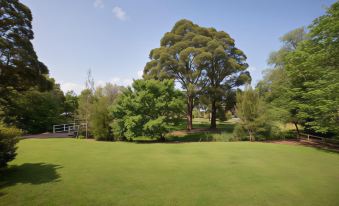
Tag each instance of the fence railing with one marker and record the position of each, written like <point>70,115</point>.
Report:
<point>71,128</point>
<point>324,140</point>
<point>64,128</point>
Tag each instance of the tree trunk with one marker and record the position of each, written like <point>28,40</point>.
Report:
<point>214,115</point>
<point>296,127</point>
<point>189,113</point>
<point>162,138</point>
<point>250,134</point>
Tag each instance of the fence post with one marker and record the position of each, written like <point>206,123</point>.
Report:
<point>53,128</point>
<point>308,137</point>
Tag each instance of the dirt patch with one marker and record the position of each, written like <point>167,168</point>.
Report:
<point>47,135</point>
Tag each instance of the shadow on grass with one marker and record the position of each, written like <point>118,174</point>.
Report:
<point>200,133</point>
<point>28,173</point>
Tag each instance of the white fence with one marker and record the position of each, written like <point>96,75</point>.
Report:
<point>71,128</point>
<point>62,128</point>
<point>323,140</point>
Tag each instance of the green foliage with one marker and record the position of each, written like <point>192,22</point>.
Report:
<point>34,111</point>
<point>276,86</point>
<point>225,69</point>
<point>71,105</point>
<point>221,114</point>
<point>229,115</point>
<point>86,100</point>
<point>223,137</point>
<point>313,70</point>
<point>20,68</point>
<point>253,115</point>
<point>203,60</point>
<point>8,140</point>
<point>100,118</point>
<point>302,87</point>
<point>29,99</point>
<point>149,108</point>
<point>182,58</point>
<point>81,137</point>
<point>239,133</point>
<point>94,109</point>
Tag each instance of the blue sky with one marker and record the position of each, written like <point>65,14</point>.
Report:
<point>114,37</point>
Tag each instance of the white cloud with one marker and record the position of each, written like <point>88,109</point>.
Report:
<point>252,69</point>
<point>122,81</point>
<point>67,86</point>
<point>119,13</point>
<point>77,88</point>
<point>140,73</point>
<point>98,4</point>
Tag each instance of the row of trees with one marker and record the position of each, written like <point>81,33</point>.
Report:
<point>29,98</point>
<point>301,87</point>
<point>206,64</point>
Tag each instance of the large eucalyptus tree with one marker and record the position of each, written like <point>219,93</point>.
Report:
<point>181,56</point>
<point>203,60</point>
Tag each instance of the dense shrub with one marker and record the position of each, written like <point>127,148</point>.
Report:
<point>34,111</point>
<point>255,121</point>
<point>239,133</point>
<point>149,108</point>
<point>223,137</point>
<point>8,140</point>
<point>229,115</point>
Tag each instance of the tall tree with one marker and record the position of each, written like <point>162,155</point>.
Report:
<point>101,118</point>
<point>203,60</point>
<point>19,65</point>
<point>35,111</point>
<point>313,70</point>
<point>181,56</point>
<point>276,87</point>
<point>86,99</point>
<point>20,69</point>
<point>225,70</point>
<point>251,111</point>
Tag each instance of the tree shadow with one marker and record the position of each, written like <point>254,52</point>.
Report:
<point>28,173</point>
<point>200,133</point>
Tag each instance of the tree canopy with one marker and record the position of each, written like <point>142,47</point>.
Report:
<point>149,108</point>
<point>203,60</point>
<point>313,72</point>
<point>304,77</point>
<point>19,65</point>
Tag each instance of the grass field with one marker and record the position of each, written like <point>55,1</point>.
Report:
<point>85,172</point>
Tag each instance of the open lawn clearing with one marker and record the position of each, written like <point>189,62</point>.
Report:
<point>81,172</point>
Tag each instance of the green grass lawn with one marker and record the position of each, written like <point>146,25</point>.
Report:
<point>85,172</point>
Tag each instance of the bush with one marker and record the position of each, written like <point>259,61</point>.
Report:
<point>223,137</point>
<point>229,115</point>
<point>239,133</point>
<point>8,140</point>
<point>149,108</point>
<point>81,137</point>
<point>221,114</point>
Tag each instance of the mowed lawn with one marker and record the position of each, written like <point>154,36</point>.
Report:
<point>85,172</point>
